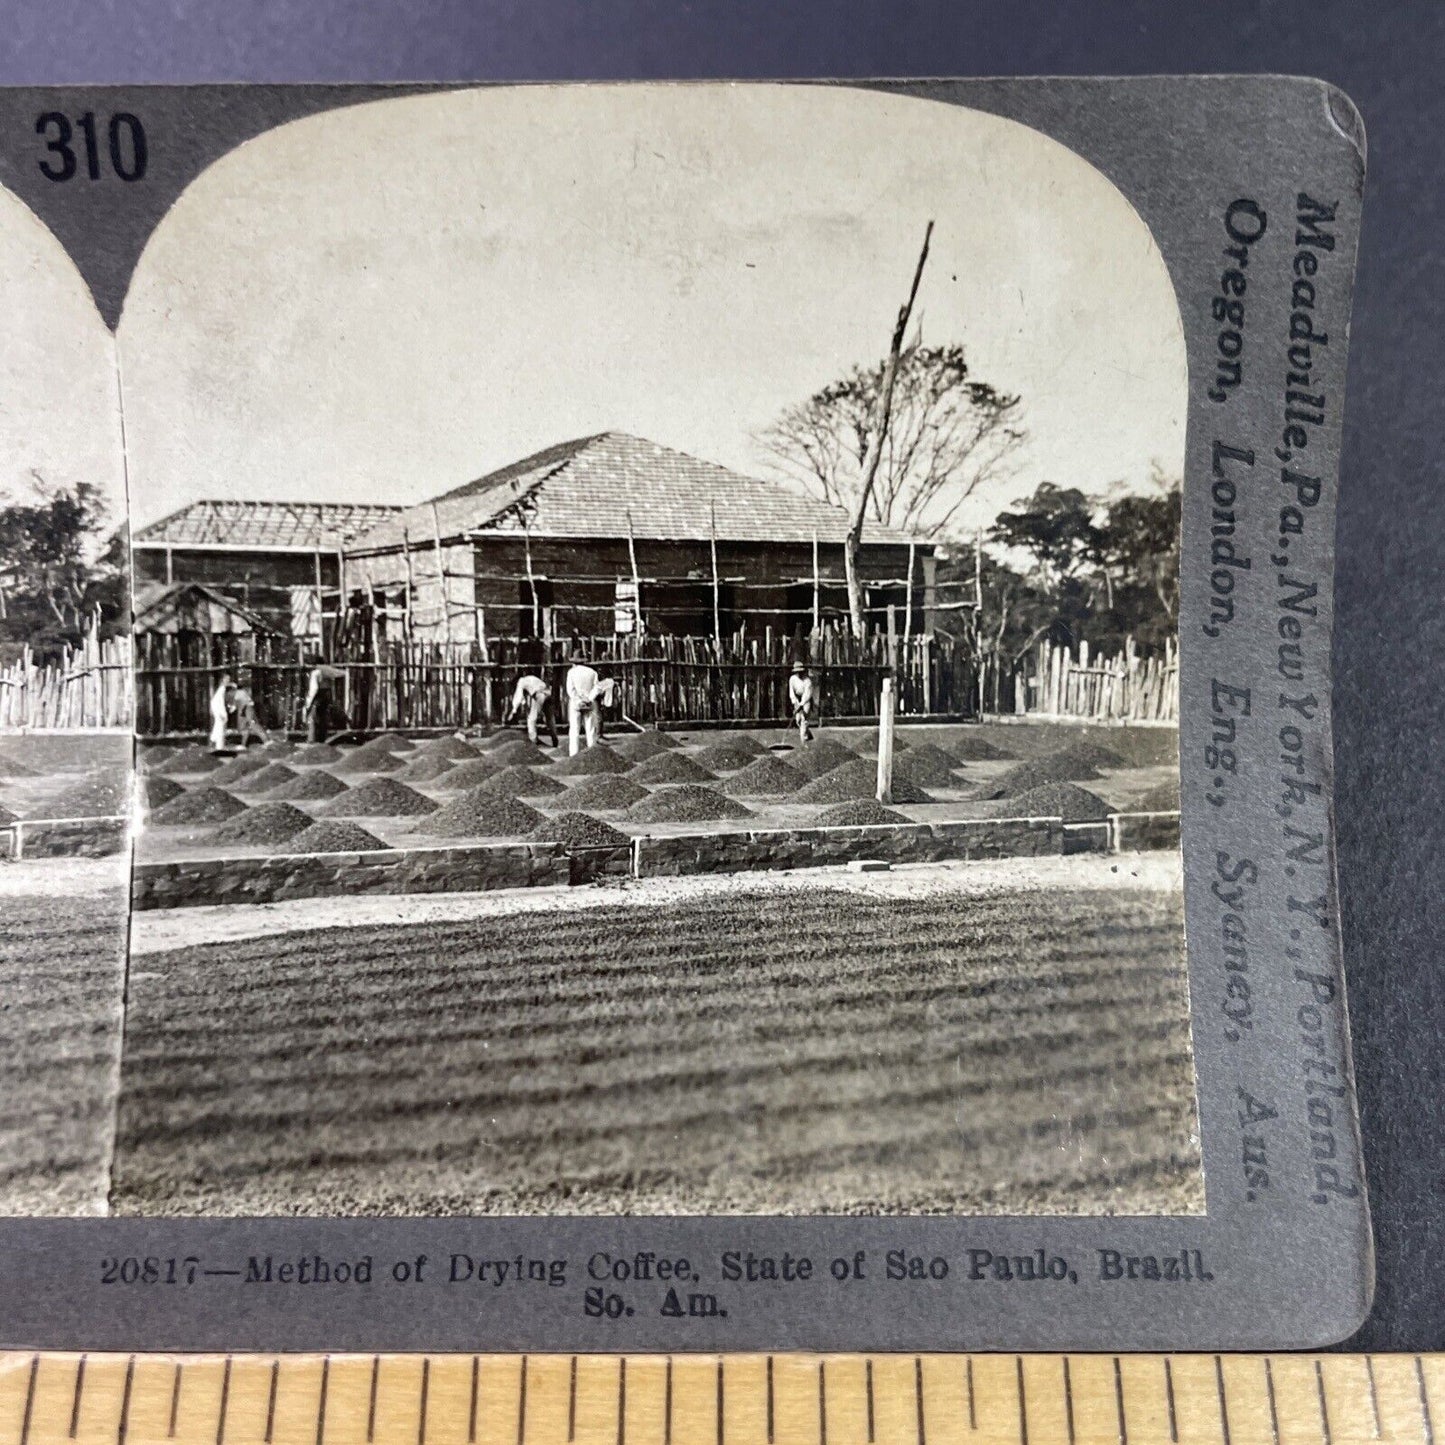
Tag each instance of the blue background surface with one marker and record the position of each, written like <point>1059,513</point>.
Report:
<point>1390,638</point>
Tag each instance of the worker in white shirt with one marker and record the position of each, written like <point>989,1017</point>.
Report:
<point>803,699</point>
<point>222,700</point>
<point>587,694</point>
<point>534,695</point>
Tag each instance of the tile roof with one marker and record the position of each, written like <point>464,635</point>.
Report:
<point>593,486</point>
<point>265,524</point>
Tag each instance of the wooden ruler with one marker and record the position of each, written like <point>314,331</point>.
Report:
<point>47,1399</point>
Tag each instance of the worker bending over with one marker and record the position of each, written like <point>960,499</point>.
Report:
<point>321,712</point>
<point>247,723</point>
<point>535,696</point>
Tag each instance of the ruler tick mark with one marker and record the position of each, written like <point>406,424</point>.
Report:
<point>522,1405</point>
<point>667,1405</point>
<point>822,1403</point>
<point>29,1400</point>
<point>1119,1402</point>
<point>622,1400</point>
<point>1169,1398</point>
<point>572,1401</point>
<point>425,1388</point>
<point>1223,1399</point>
<point>1069,1400</point>
<point>123,1428</point>
<point>271,1400</point>
<point>225,1402</point>
<point>719,1401</point>
<point>1324,1407</point>
<point>1273,1407</point>
<point>968,1376</point>
<point>371,1407</point>
<point>321,1411</point>
<point>80,1386</point>
<point>1425,1419</point>
<point>918,1397</point>
<point>770,1400</point>
<point>1374,1393</point>
<point>175,1402</point>
<point>1023,1401</point>
<point>472,1407</point>
<point>868,1383</point>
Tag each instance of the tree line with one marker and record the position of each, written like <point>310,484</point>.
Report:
<point>61,566</point>
<point>1062,564</point>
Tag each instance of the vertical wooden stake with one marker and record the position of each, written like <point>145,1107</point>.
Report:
<point>636,583</point>
<point>817,583</point>
<point>716,608</point>
<point>406,601</point>
<point>341,601</point>
<point>532,581</point>
<point>886,702</point>
<point>908,602</point>
<point>436,528</point>
<point>320,603</point>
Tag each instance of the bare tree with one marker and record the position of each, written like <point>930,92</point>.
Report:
<point>903,443</point>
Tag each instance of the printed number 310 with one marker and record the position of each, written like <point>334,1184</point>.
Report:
<point>125,146</point>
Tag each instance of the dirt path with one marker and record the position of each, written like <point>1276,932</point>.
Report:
<point>161,930</point>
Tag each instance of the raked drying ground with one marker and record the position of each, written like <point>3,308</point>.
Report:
<point>941,1041</point>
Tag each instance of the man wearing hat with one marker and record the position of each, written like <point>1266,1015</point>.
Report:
<point>803,698</point>
<point>585,693</point>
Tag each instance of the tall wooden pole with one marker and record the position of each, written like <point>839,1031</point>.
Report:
<point>320,601</point>
<point>442,588</point>
<point>873,457</point>
<point>636,582</point>
<point>908,602</point>
<point>532,581</point>
<point>406,601</point>
<point>817,586</point>
<point>716,606</point>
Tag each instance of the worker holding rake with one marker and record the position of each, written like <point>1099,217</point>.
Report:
<point>803,699</point>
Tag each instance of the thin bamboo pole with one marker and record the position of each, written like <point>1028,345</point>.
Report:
<point>716,603</point>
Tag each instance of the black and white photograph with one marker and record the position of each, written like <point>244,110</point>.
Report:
<point>652,672</point>
<point>655,669</point>
<point>65,729</point>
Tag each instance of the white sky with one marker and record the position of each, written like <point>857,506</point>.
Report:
<point>381,303</point>
<point>59,406</point>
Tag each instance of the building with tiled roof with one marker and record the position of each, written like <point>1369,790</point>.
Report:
<point>603,535</point>
<point>612,532</point>
<point>271,559</point>
<point>280,526</point>
<point>615,485</point>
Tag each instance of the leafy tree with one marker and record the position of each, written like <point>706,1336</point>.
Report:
<point>57,569</point>
<point>947,433</point>
<point>1056,528</point>
<point>1139,538</point>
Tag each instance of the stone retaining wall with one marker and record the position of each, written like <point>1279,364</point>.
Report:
<point>818,847</point>
<point>484,867</point>
<point>1142,832</point>
<point>65,838</point>
<point>330,875</point>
